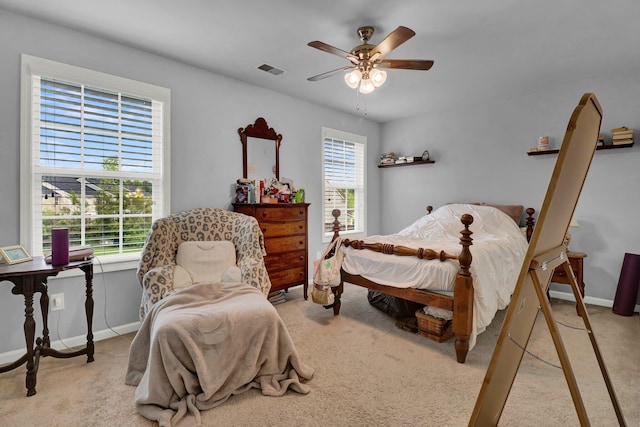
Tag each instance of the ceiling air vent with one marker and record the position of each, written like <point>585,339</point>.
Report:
<point>271,70</point>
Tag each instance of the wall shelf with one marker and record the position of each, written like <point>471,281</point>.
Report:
<point>417,162</point>
<point>556,150</point>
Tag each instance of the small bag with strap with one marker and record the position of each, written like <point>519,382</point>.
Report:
<point>326,273</point>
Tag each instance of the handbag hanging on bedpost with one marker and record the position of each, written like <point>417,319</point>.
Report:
<point>326,273</point>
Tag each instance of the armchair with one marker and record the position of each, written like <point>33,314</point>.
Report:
<point>158,259</point>
<point>217,335</point>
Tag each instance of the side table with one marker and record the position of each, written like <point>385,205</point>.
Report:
<point>29,278</point>
<point>576,260</point>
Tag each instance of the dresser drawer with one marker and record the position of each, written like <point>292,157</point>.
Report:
<point>276,245</point>
<point>274,229</point>
<point>278,262</point>
<point>280,214</point>
<point>295,276</point>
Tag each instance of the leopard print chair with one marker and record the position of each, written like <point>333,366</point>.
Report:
<point>158,260</point>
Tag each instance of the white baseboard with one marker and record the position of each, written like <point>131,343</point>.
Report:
<point>78,341</point>
<point>587,300</point>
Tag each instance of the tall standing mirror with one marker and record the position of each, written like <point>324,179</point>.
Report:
<point>260,151</point>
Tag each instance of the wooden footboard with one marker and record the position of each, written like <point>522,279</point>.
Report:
<point>462,301</point>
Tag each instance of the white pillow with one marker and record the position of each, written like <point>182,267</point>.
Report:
<point>206,261</point>
<point>181,277</point>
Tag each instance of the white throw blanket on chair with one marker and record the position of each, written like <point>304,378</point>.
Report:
<point>205,343</point>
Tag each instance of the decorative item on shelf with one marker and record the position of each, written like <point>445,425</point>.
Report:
<point>388,158</point>
<point>600,142</point>
<point>621,136</point>
<point>543,143</point>
<point>425,155</point>
<point>299,195</point>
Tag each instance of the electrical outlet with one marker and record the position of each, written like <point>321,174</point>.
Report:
<point>57,302</point>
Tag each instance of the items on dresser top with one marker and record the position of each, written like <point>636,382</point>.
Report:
<point>268,190</point>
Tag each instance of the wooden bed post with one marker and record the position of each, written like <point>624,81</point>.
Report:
<point>337,291</point>
<point>530,222</point>
<point>463,294</point>
<point>336,224</point>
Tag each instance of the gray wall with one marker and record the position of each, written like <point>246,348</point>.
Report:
<point>480,147</point>
<point>206,156</point>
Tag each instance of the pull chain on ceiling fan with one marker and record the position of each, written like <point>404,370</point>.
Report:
<point>367,59</point>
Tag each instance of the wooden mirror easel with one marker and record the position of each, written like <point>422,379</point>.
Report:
<point>546,252</point>
<point>261,130</point>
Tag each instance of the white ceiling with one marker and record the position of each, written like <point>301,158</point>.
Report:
<point>478,47</point>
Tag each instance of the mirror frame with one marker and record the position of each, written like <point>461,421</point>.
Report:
<point>259,129</point>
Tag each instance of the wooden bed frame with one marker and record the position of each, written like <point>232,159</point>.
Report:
<point>461,303</point>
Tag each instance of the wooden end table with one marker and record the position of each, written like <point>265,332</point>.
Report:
<point>31,277</point>
<point>576,260</point>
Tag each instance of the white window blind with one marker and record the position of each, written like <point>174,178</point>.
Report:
<point>96,160</point>
<point>344,181</point>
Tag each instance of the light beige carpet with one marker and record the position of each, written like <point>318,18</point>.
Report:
<point>367,373</point>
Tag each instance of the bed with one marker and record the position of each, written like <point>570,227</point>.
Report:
<point>430,262</point>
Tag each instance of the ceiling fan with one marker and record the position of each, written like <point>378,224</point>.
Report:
<point>368,59</point>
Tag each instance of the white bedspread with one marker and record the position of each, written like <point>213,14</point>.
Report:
<point>498,251</point>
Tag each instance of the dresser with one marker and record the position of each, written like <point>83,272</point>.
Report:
<point>285,230</point>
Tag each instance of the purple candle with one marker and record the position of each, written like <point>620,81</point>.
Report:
<point>59,246</point>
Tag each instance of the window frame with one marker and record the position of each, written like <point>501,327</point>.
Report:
<point>34,66</point>
<point>358,140</point>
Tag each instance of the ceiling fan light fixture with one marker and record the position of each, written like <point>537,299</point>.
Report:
<point>353,78</point>
<point>378,77</point>
<point>366,86</point>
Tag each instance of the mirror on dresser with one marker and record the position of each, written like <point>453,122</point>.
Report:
<point>260,151</point>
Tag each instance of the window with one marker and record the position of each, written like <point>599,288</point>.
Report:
<point>94,158</point>
<point>343,157</point>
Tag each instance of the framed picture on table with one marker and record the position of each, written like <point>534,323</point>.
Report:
<point>14,254</point>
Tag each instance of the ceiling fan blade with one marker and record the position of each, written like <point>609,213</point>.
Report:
<point>329,73</point>
<point>392,41</point>
<point>406,64</point>
<point>334,50</point>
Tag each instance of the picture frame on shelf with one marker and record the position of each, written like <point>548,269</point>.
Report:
<point>14,254</point>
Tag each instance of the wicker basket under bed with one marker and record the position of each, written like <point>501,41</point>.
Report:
<point>433,328</point>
